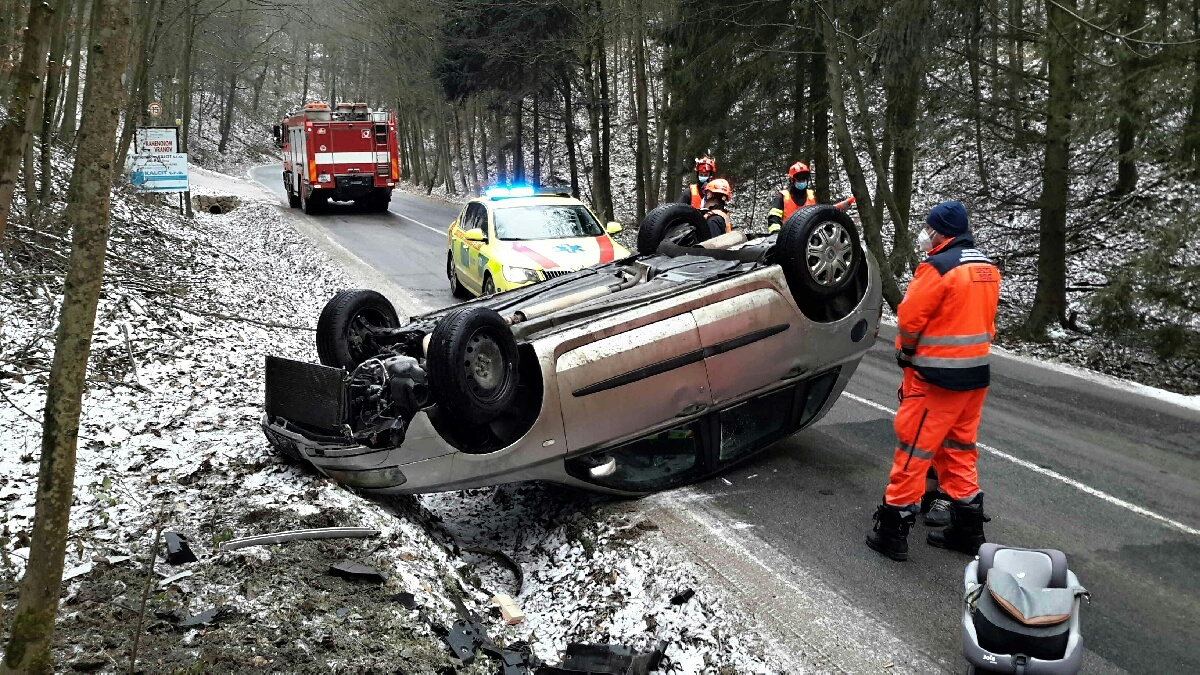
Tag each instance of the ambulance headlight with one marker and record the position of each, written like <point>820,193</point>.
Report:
<point>324,178</point>
<point>518,275</point>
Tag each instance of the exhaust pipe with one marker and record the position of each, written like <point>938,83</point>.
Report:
<point>551,306</point>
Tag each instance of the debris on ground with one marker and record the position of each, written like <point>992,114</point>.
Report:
<point>299,535</point>
<point>357,571</point>
<point>607,659</point>
<point>206,617</point>
<point>178,551</point>
<point>682,596</point>
<point>509,611</point>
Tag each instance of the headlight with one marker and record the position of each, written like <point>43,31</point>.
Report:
<point>518,275</point>
<point>324,178</point>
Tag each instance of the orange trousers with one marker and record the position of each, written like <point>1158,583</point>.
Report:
<point>934,425</point>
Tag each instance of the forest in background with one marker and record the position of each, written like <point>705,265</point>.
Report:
<point>1071,128</point>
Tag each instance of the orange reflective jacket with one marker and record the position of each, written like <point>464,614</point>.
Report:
<point>948,317</point>
<point>697,202</point>
<point>790,205</point>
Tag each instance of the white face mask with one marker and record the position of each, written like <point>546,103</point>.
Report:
<point>925,241</point>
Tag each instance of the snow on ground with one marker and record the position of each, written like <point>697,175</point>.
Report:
<point>170,439</point>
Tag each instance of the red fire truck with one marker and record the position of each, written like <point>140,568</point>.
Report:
<point>347,154</point>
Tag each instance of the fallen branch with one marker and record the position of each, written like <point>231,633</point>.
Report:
<point>299,535</point>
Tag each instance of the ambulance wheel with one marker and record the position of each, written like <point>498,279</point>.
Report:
<point>819,251</point>
<point>472,364</point>
<point>344,327</point>
<point>678,223</point>
<point>456,287</point>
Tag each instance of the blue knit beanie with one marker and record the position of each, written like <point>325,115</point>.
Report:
<point>948,218</point>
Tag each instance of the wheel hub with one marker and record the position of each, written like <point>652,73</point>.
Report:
<point>829,253</point>
<point>484,363</point>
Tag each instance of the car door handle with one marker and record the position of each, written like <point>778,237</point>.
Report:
<point>691,410</point>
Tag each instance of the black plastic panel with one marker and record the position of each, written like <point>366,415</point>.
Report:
<point>306,393</point>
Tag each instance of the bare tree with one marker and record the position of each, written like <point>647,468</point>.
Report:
<point>88,203</point>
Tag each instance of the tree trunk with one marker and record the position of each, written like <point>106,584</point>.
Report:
<point>642,179</point>
<point>872,228</point>
<point>259,81</point>
<point>501,159</point>
<point>14,135</point>
<point>139,91</point>
<point>799,113</point>
<point>227,111</point>
<point>518,144</point>
<point>907,100</point>
<point>593,108</point>
<point>1050,298</point>
<point>1130,109</point>
<point>569,131</point>
<point>819,104</point>
<point>471,186</point>
<point>481,117</point>
<point>50,103</point>
<point>1190,148</point>
<point>307,72</point>
<point>537,139</point>
<point>606,204</point>
<point>88,211</point>
<point>70,110</point>
<point>973,56</point>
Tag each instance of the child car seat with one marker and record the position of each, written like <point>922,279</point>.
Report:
<point>1021,612</point>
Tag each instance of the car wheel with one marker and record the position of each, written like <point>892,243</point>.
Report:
<point>679,223</point>
<point>489,286</point>
<point>344,327</point>
<point>456,287</point>
<point>819,251</point>
<point>472,364</point>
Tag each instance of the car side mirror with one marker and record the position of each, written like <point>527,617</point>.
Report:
<point>614,227</point>
<point>475,234</point>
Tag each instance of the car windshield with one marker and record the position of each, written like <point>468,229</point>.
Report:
<point>522,223</point>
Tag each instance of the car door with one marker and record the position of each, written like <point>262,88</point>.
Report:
<point>465,255</point>
<point>627,384</point>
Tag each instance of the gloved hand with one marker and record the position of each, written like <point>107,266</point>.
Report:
<point>773,228</point>
<point>904,357</point>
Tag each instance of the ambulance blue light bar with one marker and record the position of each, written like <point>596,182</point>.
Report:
<point>514,191</point>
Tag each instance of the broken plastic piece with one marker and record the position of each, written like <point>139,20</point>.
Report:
<point>178,551</point>
<point>206,617</point>
<point>296,535</point>
<point>77,571</point>
<point>509,610</point>
<point>173,578</point>
<point>582,659</point>
<point>463,639</point>
<point>682,596</point>
<point>353,570</point>
<point>406,600</point>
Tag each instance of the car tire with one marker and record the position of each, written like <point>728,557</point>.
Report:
<point>472,364</point>
<point>489,286</point>
<point>341,326</point>
<point>456,287</point>
<point>678,222</point>
<point>819,251</point>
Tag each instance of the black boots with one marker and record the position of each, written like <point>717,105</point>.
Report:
<point>890,536</point>
<point>965,532</point>
<point>936,507</point>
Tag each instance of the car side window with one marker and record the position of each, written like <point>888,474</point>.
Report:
<point>469,216</point>
<point>751,425</point>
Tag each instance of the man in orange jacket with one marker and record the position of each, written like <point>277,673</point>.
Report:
<point>706,169</point>
<point>945,328</point>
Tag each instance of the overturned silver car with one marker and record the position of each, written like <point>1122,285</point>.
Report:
<point>629,377</point>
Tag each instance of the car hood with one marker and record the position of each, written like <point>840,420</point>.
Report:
<point>565,254</point>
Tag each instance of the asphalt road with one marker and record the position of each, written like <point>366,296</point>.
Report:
<point>1070,463</point>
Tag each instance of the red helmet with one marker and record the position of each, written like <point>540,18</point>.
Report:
<point>797,168</point>
<point>706,164</point>
<point>718,186</point>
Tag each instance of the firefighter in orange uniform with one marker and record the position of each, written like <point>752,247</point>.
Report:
<point>797,194</point>
<point>706,168</point>
<point>945,328</point>
<point>717,194</point>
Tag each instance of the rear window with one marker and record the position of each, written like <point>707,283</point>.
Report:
<point>520,223</point>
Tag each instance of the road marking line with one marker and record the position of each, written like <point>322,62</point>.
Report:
<point>417,222</point>
<point>1115,501</point>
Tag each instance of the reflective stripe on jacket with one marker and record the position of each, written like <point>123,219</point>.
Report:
<point>947,320</point>
<point>697,202</point>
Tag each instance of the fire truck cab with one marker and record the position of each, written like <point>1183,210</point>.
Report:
<point>347,154</point>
